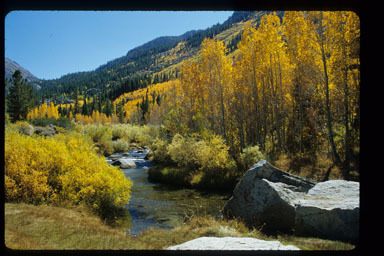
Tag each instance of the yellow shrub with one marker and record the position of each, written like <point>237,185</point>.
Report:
<point>119,132</point>
<point>120,145</point>
<point>209,155</point>
<point>64,167</point>
<point>182,151</point>
<point>250,156</point>
<point>25,177</point>
<point>213,153</point>
<point>143,135</point>
<point>160,154</point>
<point>98,132</point>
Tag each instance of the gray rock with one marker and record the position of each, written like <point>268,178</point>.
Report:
<point>124,163</point>
<point>115,156</point>
<point>52,127</point>
<point>277,201</point>
<point>126,154</point>
<point>231,243</point>
<point>263,194</point>
<point>330,210</point>
<point>50,130</point>
<point>28,130</point>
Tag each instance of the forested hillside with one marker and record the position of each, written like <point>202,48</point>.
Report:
<point>152,62</point>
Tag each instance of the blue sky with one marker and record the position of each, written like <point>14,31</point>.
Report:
<point>53,43</point>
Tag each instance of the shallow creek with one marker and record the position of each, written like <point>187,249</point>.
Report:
<point>162,206</point>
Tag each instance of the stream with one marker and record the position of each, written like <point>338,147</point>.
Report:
<point>161,206</point>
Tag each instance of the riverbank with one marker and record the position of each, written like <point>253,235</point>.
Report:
<point>46,227</point>
<point>182,177</point>
<point>158,205</point>
<point>68,226</point>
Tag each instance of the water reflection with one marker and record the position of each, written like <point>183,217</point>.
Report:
<point>163,206</point>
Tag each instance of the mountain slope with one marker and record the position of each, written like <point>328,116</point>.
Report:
<point>154,46</point>
<point>11,66</point>
<point>155,61</point>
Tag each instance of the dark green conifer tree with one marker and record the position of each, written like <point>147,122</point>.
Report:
<point>108,108</point>
<point>77,105</point>
<point>84,110</point>
<point>21,98</point>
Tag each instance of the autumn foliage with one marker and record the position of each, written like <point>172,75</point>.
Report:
<point>60,169</point>
<point>43,111</point>
<point>292,88</point>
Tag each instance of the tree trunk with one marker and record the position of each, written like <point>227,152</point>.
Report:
<point>347,160</point>
<point>335,155</point>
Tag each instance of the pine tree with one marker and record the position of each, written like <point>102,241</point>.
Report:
<point>84,110</point>
<point>144,106</point>
<point>77,105</point>
<point>20,99</point>
<point>108,108</point>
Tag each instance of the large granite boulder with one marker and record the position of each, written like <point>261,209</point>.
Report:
<point>266,197</point>
<point>330,210</point>
<point>278,201</point>
<point>231,243</point>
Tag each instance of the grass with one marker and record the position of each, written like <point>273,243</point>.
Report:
<point>182,177</point>
<point>319,170</point>
<point>169,175</point>
<point>46,227</point>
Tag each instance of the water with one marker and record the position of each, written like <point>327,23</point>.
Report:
<point>162,206</point>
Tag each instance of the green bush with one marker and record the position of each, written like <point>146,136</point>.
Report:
<point>60,122</point>
<point>209,155</point>
<point>120,145</point>
<point>250,156</point>
<point>104,147</point>
<point>183,177</point>
<point>142,135</point>
<point>208,180</point>
<point>182,152</point>
<point>21,126</point>
<point>159,152</point>
<point>119,132</point>
<point>202,162</point>
<point>170,175</point>
<point>98,133</point>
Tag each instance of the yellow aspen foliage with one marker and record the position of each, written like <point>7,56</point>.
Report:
<point>95,116</point>
<point>79,118</point>
<point>33,113</point>
<point>136,97</point>
<point>43,110</point>
<point>114,119</point>
<point>62,168</point>
<point>52,111</point>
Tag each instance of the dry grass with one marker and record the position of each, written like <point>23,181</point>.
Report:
<point>318,171</point>
<point>29,227</point>
<point>47,227</point>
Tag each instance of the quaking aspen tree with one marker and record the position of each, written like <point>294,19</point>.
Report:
<point>216,70</point>
<point>302,56</point>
